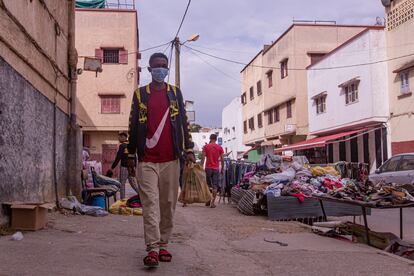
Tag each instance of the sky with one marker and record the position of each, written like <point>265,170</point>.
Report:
<point>233,29</point>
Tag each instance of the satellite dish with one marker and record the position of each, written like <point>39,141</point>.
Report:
<point>386,3</point>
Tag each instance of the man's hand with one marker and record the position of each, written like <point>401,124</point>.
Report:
<point>191,157</point>
<point>222,172</point>
<point>131,167</point>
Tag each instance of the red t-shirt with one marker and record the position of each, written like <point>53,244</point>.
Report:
<point>213,152</point>
<point>159,146</point>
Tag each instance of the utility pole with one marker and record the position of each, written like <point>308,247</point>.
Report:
<point>177,46</point>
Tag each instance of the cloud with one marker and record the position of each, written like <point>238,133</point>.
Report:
<point>235,29</point>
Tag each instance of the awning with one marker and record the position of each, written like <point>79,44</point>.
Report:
<point>324,93</point>
<point>348,82</point>
<point>406,66</point>
<point>317,142</point>
<point>271,143</point>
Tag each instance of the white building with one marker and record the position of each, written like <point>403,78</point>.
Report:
<point>202,138</point>
<point>348,103</point>
<point>232,125</point>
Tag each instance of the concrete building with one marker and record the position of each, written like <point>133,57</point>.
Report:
<point>348,103</point>
<point>202,138</point>
<point>274,83</point>
<point>400,50</point>
<point>111,35</point>
<point>232,125</point>
<point>38,150</point>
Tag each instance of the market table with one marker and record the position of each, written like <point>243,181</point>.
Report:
<point>363,206</point>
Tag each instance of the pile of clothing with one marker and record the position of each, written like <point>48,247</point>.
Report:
<point>378,195</point>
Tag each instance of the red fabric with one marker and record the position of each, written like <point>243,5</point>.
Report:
<point>299,196</point>
<point>330,184</point>
<point>213,153</point>
<point>164,150</point>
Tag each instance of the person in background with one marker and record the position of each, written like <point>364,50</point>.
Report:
<point>213,153</point>
<point>159,134</point>
<point>122,156</point>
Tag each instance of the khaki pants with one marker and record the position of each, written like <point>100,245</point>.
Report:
<point>158,186</point>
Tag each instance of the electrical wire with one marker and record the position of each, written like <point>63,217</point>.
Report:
<point>182,20</point>
<point>299,69</point>
<point>155,47</point>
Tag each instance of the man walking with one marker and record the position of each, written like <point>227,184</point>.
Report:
<point>159,134</point>
<point>213,153</point>
<point>122,155</point>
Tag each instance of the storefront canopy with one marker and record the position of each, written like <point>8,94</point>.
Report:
<point>317,142</point>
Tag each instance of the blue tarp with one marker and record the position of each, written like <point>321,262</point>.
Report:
<point>90,4</point>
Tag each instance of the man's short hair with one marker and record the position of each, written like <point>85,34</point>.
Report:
<point>157,55</point>
<point>123,134</point>
<point>213,137</point>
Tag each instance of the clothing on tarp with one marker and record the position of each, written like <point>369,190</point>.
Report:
<point>90,4</point>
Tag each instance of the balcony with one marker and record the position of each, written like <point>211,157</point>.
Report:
<point>106,4</point>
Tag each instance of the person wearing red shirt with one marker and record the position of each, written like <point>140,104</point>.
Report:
<point>213,153</point>
<point>159,135</point>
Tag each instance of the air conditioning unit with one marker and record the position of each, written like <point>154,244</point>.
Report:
<point>290,128</point>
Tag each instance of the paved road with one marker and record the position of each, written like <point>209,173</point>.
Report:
<point>205,242</point>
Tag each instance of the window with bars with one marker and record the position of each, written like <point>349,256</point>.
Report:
<point>320,104</point>
<point>270,117</point>
<point>284,68</point>
<point>259,88</point>
<point>289,109</point>
<point>277,114</point>
<point>251,123</point>
<point>405,85</point>
<point>251,93</point>
<point>245,126</point>
<point>259,120</point>
<point>351,93</point>
<point>110,104</point>
<point>112,55</point>
<point>269,75</point>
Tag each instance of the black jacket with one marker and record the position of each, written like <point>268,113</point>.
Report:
<point>121,155</point>
<point>138,122</point>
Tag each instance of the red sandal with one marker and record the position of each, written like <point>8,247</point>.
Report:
<point>165,256</point>
<point>151,260</point>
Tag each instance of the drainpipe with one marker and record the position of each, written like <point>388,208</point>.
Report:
<point>74,145</point>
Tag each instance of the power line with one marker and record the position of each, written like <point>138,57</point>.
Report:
<point>298,69</point>
<point>182,20</point>
<point>155,47</point>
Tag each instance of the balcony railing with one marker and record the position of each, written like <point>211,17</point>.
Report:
<point>120,4</point>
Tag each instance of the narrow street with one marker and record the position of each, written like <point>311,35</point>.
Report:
<point>206,241</point>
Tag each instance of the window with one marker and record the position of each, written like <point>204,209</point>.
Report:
<point>289,109</point>
<point>251,123</point>
<point>244,98</point>
<point>270,117</point>
<point>407,163</point>
<point>110,104</point>
<point>284,68</point>
<point>245,126</point>
<point>391,165</point>
<point>320,104</point>
<point>259,120</point>
<point>351,93</point>
<point>270,78</point>
<point>316,57</point>
<point>259,88</point>
<point>112,55</point>
<point>405,86</point>
<point>277,114</point>
<point>251,93</point>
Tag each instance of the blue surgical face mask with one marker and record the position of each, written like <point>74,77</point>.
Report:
<point>159,74</point>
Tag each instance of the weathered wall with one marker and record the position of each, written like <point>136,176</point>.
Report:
<point>35,46</point>
<point>26,141</point>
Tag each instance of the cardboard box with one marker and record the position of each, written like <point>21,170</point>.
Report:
<point>29,216</point>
